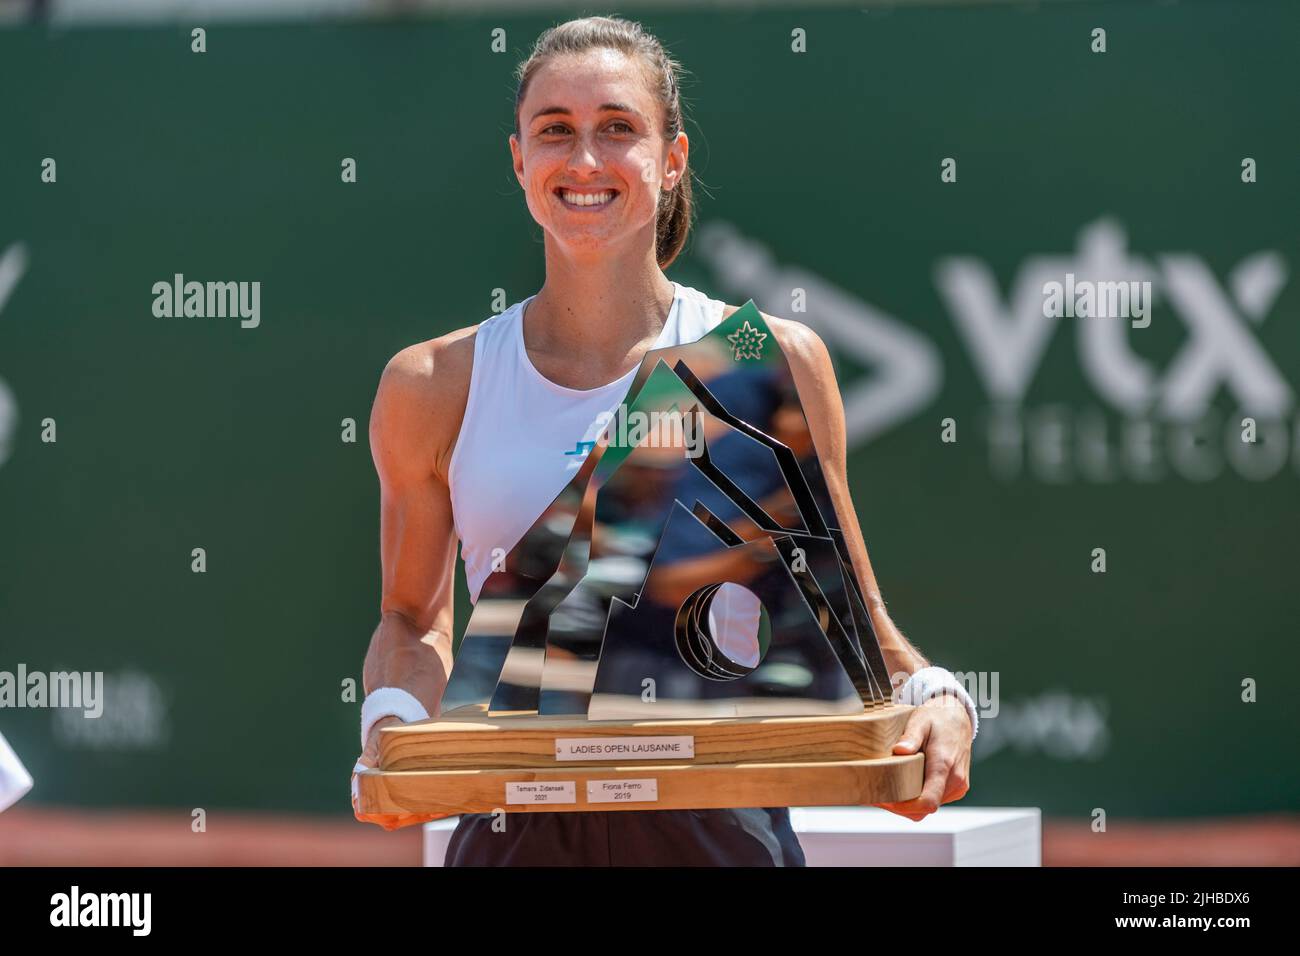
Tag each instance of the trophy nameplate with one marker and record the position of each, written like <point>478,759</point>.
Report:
<point>681,628</point>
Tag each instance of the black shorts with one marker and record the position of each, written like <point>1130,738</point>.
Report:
<point>758,836</point>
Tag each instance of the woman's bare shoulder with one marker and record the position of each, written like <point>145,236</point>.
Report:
<point>439,366</point>
<point>421,398</point>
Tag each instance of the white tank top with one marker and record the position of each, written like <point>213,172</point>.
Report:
<point>523,436</point>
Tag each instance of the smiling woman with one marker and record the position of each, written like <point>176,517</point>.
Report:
<point>477,450</point>
<point>599,116</point>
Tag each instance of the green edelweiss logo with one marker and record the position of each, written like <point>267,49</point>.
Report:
<point>746,342</point>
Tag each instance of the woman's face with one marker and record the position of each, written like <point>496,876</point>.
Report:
<point>590,130</point>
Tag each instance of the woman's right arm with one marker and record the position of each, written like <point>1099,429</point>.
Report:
<point>413,426</point>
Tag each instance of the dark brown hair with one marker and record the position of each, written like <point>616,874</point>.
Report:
<point>576,36</point>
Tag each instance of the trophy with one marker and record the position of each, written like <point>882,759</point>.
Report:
<point>681,628</point>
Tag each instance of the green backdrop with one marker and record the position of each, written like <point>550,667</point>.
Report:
<point>820,171</point>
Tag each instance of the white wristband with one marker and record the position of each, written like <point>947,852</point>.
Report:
<point>930,682</point>
<point>389,702</point>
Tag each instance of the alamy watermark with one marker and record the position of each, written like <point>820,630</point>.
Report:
<point>672,428</point>
<point>1109,299</point>
<point>77,908</point>
<point>181,299</point>
<point>70,689</point>
<point>981,685</point>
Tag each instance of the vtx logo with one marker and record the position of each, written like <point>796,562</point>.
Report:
<point>1007,339</point>
<point>13,263</point>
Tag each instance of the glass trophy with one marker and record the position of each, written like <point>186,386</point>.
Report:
<point>681,628</point>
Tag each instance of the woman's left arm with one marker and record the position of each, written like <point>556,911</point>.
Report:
<point>941,726</point>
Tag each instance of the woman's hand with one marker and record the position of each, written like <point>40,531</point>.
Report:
<point>369,759</point>
<point>941,728</point>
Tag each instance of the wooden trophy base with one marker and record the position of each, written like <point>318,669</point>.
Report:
<point>438,768</point>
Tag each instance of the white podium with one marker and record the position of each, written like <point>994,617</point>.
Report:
<point>870,836</point>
